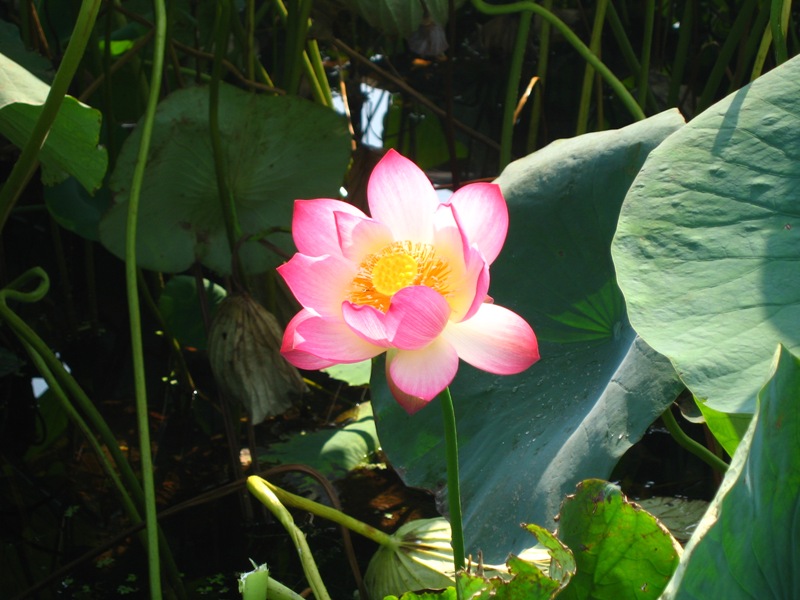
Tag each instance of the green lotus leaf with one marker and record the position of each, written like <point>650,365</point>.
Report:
<point>748,543</point>
<point>621,551</point>
<point>708,245</point>
<point>71,146</point>
<point>276,149</point>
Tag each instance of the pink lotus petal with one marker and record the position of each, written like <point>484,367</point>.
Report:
<point>482,213</point>
<point>319,283</point>
<point>495,339</point>
<point>314,226</point>
<point>300,359</point>
<point>422,373</point>
<point>402,197</point>
<point>367,322</point>
<point>416,316</point>
<point>359,236</point>
<point>332,340</point>
<point>410,403</point>
<point>448,239</point>
<point>472,289</point>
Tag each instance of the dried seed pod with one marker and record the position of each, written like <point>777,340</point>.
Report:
<point>244,350</point>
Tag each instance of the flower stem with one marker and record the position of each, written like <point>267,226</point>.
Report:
<point>453,485</point>
<point>258,488</point>
<point>689,444</point>
<point>254,483</point>
<point>134,315</point>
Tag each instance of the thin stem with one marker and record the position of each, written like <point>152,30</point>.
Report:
<point>647,42</point>
<point>453,482</point>
<point>512,89</point>
<point>28,160</point>
<point>538,93</point>
<point>735,34</point>
<point>570,36</point>
<point>776,22</point>
<point>134,313</point>
<point>691,445</point>
<point>681,53</point>
<point>326,512</point>
<point>588,75</point>
<point>259,488</point>
<point>66,382</point>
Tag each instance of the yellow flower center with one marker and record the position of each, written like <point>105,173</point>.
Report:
<point>394,267</point>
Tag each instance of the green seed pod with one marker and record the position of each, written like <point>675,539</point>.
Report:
<point>244,350</point>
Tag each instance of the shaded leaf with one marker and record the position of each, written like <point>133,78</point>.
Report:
<point>179,305</point>
<point>333,452</point>
<point>277,149</point>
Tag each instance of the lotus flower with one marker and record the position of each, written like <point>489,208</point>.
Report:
<point>411,280</point>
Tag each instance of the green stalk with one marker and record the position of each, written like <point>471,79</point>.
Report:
<point>512,88</point>
<point>230,217</point>
<point>538,92</point>
<point>588,74</point>
<point>453,482</point>
<point>28,160</point>
<point>66,382</point>
<point>323,89</point>
<point>134,314</point>
<point>725,54</point>
<point>615,84</point>
<point>681,53</point>
<point>691,445</point>
<point>296,29</point>
<point>55,387</point>
<point>313,68</point>
<point>776,22</point>
<point>326,512</point>
<point>750,52</point>
<point>260,490</point>
<point>647,42</point>
<point>625,46</point>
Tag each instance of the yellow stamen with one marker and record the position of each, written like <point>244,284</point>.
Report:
<point>394,267</point>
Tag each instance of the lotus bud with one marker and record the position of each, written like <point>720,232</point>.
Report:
<point>244,345</point>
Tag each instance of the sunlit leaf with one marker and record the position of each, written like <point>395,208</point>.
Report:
<point>621,551</point>
<point>748,543</point>
<point>708,245</point>
<point>71,147</point>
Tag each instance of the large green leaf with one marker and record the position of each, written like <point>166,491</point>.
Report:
<point>71,145</point>
<point>276,149</point>
<point>748,543</point>
<point>527,440</point>
<point>708,245</point>
<point>400,17</point>
<point>621,551</point>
